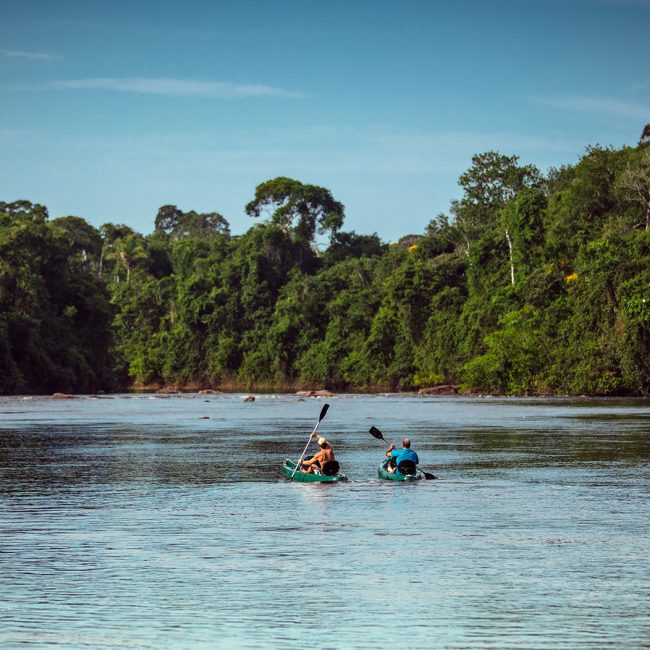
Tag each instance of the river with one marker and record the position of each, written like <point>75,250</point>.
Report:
<point>140,521</point>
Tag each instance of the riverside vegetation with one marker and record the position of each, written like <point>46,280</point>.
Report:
<point>533,285</point>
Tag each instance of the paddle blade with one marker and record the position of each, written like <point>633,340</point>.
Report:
<point>428,476</point>
<point>323,411</point>
<point>374,431</point>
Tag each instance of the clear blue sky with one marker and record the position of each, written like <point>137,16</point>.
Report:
<point>109,110</point>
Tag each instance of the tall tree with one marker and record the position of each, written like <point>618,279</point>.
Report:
<point>491,181</point>
<point>301,207</point>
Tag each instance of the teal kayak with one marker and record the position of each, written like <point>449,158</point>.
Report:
<point>302,477</point>
<point>382,472</point>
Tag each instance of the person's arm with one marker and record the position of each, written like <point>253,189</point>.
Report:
<point>389,453</point>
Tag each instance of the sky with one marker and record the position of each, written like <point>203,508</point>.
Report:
<point>109,110</point>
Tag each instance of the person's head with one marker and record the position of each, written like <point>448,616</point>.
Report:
<point>406,443</point>
<point>322,443</point>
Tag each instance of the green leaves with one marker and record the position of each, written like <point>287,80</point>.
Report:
<point>294,205</point>
<point>515,357</point>
<point>179,225</point>
<point>536,286</point>
<point>54,312</point>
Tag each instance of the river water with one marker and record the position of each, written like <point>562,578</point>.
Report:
<point>164,522</point>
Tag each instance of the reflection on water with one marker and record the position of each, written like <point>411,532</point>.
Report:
<point>146,522</point>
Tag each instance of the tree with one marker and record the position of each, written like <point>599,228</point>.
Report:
<point>294,205</point>
<point>634,321</point>
<point>128,251</point>
<point>440,237</point>
<point>483,234</point>
<point>634,182</point>
<point>522,221</point>
<point>22,211</point>
<point>179,224</point>
<point>491,181</point>
<point>581,201</point>
<point>494,179</point>
<point>515,356</point>
<point>83,239</point>
<point>645,135</point>
<point>345,245</point>
<point>54,313</point>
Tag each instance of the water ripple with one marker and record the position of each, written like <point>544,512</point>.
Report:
<point>131,522</point>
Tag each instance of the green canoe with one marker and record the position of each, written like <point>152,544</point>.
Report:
<point>382,472</point>
<point>303,477</point>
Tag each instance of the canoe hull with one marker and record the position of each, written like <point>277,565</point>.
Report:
<point>302,477</point>
<point>383,473</point>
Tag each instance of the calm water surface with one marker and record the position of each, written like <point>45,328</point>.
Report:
<point>134,521</point>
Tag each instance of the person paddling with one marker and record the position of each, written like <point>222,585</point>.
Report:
<point>396,456</point>
<point>318,460</point>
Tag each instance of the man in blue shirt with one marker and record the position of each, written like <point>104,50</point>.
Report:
<point>398,455</point>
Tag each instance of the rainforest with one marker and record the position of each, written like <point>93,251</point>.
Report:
<point>533,284</point>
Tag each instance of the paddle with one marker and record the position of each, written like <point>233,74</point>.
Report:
<point>376,433</point>
<point>323,411</point>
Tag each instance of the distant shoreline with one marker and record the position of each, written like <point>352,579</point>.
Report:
<point>301,393</point>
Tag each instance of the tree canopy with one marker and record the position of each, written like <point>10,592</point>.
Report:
<point>534,284</point>
<point>296,206</point>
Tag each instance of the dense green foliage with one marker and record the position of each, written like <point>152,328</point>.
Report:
<point>535,285</point>
<point>55,313</point>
